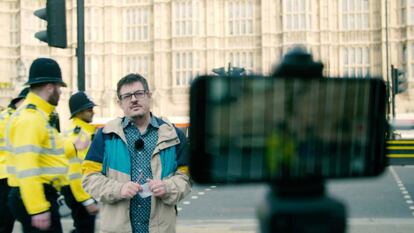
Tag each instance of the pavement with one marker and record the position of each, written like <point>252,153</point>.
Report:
<point>360,225</point>
<point>381,225</point>
<point>222,226</point>
<point>188,226</point>
<point>357,225</point>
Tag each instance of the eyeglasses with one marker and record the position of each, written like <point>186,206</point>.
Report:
<point>138,95</point>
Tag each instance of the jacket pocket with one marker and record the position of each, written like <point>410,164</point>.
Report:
<point>115,217</point>
<point>164,219</point>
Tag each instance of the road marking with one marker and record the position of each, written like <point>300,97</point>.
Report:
<point>404,192</point>
<point>194,197</point>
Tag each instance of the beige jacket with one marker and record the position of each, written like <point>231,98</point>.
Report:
<point>105,173</point>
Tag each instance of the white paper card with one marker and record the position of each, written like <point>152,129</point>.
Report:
<point>145,191</point>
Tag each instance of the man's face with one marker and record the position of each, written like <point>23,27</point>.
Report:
<point>134,100</point>
<point>86,115</point>
<point>55,92</point>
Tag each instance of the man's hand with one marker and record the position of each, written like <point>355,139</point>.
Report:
<point>41,221</point>
<point>157,187</point>
<point>81,144</point>
<point>92,209</point>
<point>130,189</point>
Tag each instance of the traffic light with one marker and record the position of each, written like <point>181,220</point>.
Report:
<point>55,16</point>
<point>237,71</point>
<point>231,71</point>
<point>219,71</point>
<point>399,80</point>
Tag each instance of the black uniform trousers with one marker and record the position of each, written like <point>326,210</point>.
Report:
<point>6,217</point>
<point>19,211</point>
<point>82,220</point>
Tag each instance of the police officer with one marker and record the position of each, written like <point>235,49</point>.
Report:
<point>83,206</point>
<point>38,154</point>
<point>6,218</point>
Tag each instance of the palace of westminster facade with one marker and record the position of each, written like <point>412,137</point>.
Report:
<point>172,41</point>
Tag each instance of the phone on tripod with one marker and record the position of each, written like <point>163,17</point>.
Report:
<point>262,129</point>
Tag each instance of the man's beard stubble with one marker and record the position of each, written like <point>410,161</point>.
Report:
<point>54,98</point>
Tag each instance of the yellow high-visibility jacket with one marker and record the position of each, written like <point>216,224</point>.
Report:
<point>4,117</point>
<point>83,129</point>
<point>38,153</point>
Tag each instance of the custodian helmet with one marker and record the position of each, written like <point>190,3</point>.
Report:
<point>45,70</point>
<point>78,102</point>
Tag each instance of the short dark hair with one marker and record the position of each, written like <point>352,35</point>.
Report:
<point>131,78</point>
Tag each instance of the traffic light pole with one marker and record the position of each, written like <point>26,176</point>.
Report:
<point>80,50</point>
<point>393,73</point>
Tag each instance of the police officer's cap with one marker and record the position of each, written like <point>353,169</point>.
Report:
<point>23,93</point>
<point>45,70</point>
<point>79,102</point>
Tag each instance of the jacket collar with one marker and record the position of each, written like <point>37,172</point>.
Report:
<point>83,124</point>
<point>33,98</point>
<point>166,131</point>
<point>153,122</point>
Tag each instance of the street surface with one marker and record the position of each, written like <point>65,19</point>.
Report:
<point>381,204</point>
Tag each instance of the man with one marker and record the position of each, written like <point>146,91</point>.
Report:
<point>133,157</point>
<point>6,218</point>
<point>83,206</point>
<point>38,154</point>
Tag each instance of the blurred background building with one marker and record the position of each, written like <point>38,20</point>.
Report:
<point>171,41</point>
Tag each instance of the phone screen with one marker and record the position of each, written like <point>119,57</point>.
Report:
<point>273,129</point>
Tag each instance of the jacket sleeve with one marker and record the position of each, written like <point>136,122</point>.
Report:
<point>179,184</point>
<point>75,180</point>
<point>3,153</point>
<point>28,138</point>
<point>75,172</point>
<point>94,180</point>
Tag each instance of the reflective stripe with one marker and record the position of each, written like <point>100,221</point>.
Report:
<point>52,135</point>
<point>11,170</point>
<point>42,171</point>
<point>7,148</point>
<point>75,176</point>
<point>75,160</point>
<point>36,149</point>
<point>48,127</point>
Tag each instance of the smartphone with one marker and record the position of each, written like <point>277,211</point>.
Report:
<point>266,129</point>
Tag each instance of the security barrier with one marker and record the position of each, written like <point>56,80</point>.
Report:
<point>400,152</point>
